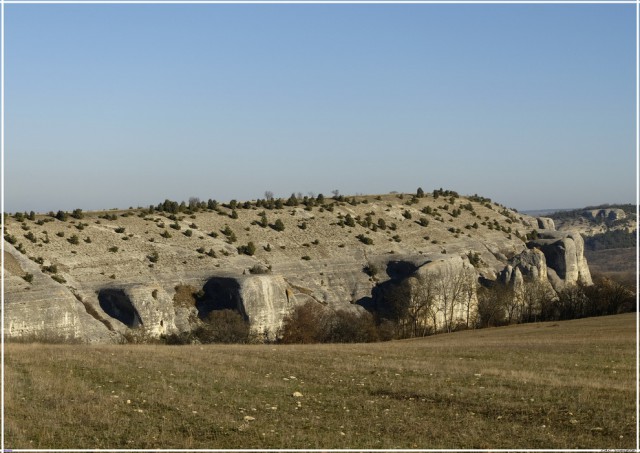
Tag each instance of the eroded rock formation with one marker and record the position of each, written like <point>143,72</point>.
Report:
<point>564,255</point>
<point>121,275</point>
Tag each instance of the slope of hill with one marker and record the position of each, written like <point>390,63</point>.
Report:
<point>96,276</point>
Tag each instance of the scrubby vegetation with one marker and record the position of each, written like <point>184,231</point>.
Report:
<point>219,326</point>
<point>613,239</point>
<point>313,323</point>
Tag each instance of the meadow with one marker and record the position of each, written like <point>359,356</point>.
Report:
<point>569,384</point>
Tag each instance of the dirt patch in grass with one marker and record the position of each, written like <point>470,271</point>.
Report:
<point>548,385</point>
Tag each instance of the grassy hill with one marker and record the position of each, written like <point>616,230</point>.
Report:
<point>555,385</point>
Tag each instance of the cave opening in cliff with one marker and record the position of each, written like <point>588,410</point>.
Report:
<point>117,304</point>
<point>219,293</point>
<point>399,270</point>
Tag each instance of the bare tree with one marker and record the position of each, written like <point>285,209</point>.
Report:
<point>268,195</point>
<point>422,309</point>
<point>535,295</point>
<point>452,292</point>
<point>512,303</point>
<point>491,305</point>
<point>194,202</point>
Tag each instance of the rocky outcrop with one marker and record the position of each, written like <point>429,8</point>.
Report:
<point>529,264</point>
<point>266,300</point>
<point>609,215</point>
<point>118,272</point>
<point>546,223</point>
<point>564,255</point>
<point>48,311</point>
<point>452,284</point>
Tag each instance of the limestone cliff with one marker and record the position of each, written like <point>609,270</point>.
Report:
<point>564,255</point>
<point>106,274</point>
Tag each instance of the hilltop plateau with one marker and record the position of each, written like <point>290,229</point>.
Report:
<point>99,276</point>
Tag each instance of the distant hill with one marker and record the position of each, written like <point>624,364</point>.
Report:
<point>544,212</point>
<point>611,225</point>
<point>565,214</point>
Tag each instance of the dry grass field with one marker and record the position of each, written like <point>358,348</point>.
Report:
<point>550,385</point>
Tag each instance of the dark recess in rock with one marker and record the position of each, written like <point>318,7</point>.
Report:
<point>399,270</point>
<point>117,304</point>
<point>220,293</point>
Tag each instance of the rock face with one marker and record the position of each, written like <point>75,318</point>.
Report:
<point>530,264</point>
<point>454,282</point>
<point>50,311</point>
<point>610,215</point>
<point>121,273</point>
<point>266,300</point>
<point>564,255</point>
<point>545,223</point>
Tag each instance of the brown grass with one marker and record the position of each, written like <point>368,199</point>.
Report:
<point>549,385</point>
<point>612,260</point>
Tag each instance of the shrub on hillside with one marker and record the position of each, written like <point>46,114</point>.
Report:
<point>62,216</point>
<point>257,269</point>
<point>185,296</point>
<point>248,249</point>
<point>223,326</point>
<point>305,324</point>
<point>313,323</point>
<point>52,269</point>
<point>371,270</point>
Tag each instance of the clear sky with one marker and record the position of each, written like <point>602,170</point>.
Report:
<point>126,105</point>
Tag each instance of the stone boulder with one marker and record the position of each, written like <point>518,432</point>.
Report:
<point>564,254</point>
<point>546,223</point>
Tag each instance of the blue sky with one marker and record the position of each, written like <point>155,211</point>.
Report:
<point>126,105</point>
